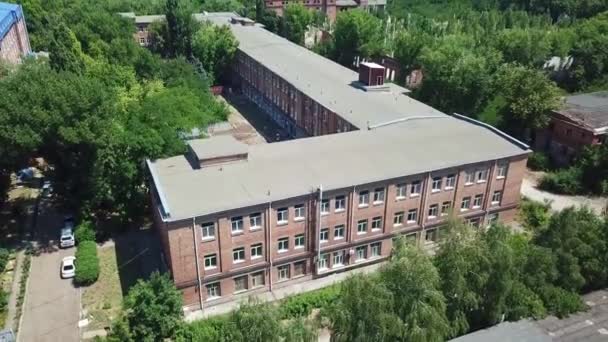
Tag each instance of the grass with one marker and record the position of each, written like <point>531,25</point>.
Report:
<point>103,299</point>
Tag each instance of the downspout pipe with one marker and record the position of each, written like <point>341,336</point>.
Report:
<point>198,273</point>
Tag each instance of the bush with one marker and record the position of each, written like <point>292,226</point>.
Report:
<point>539,161</point>
<point>4,256</point>
<point>566,181</point>
<point>87,263</point>
<point>560,302</point>
<point>84,232</point>
<point>302,305</point>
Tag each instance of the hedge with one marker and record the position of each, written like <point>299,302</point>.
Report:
<point>301,305</point>
<point>567,181</point>
<point>84,232</point>
<point>87,263</point>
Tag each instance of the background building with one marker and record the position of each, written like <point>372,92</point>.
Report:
<point>367,164</point>
<point>14,40</point>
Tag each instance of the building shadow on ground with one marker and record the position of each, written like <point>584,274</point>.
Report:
<point>260,120</point>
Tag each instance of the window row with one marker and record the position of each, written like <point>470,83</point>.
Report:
<point>256,251</point>
<point>241,284</point>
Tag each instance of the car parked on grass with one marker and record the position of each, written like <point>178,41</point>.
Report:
<point>68,267</point>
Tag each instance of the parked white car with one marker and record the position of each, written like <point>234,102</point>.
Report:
<point>68,267</point>
<point>66,239</point>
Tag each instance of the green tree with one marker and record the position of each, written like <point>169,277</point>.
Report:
<point>215,46</point>
<point>531,47</point>
<point>529,95</point>
<point>408,46</point>
<point>593,164</point>
<point>357,34</point>
<point>414,282</point>
<point>181,27</point>
<point>590,58</point>
<point>65,51</point>
<point>153,309</point>
<point>222,6</point>
<point>296,19</point>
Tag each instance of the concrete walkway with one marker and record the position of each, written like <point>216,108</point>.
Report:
<point>559,202</point>
<point>281,293</point>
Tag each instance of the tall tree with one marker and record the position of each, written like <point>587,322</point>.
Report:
<point>181,27</point>
<point>215,46</point>
<point>65,51</point>
<point>296,19</point>
<point>357,34</point>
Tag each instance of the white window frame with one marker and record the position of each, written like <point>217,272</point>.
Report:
<point>481,176</point>
<point>466,200</point>
<point>234,222</point>
<point>323,261</point>
<point>282,216</point>
<point>401,191</point>
<point>297,239</point>
<point>361,223</point>
<point>325,207</point>
<point>215,289</point>
<point>502,170</point>
<point>255,221</point>
<point>363,199</point>
<point>376,246</point>
<point>280,270</point>
<point>376,223</point>
<point>446,207</point>
<point>432,232</point>
<point>415,189</point>
<point>257,251</point>
<point>398,219</point>
<point>208,231</point>
<point>450,182</point>
<point>469,178</point>
<point>379,195</point>
<point>362,256</point>
<point>436,184</point>
<point>254,285</point>
<point>299,212</point>
<point>495,201</point>
<point>210,259</point>
<point>477,201</point>
<point>283,241</point>
<point>338,259</point>
<point>324,235</point>
<point>415,213</point>
<point>341,235</point>
<point>340,204</point>
<point>433,210</point>
<point>237,252</point>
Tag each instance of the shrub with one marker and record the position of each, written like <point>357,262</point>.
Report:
<point>87,263</point>
<point>4,256</point>
<point>539,161</point>
<point>560,302</point>
<point>534,215</point>
<point>566,181</point>
<point>84,232</point>
<point>302,305</point>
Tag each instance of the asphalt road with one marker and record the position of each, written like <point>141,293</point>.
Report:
<point>52,304</point>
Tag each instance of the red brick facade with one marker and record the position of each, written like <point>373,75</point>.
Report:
<point>328,7</point>
<point>15,44</point>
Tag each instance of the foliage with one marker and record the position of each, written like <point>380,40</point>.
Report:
<point>215,46</point>
<point>296,19</point>
<point>222,6</point>
<point>4,257</point>
<point>564,181</point>
<point>534,215</point>
<point>84,232</point>
<point>65,51</point>
<point>180,28</point>
<point>152,311</point>
<point>301,305</point>
<point>87,263</point>
<point>539,161</point>
<point>25,273</point>
<point>356,34</point>
<point>529,47</point>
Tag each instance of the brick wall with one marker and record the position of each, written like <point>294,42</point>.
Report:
<point>15,43</point>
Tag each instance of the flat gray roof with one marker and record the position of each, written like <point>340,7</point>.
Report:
<point>522,331</point>
<point>294,168</point>
<point>217,146</point>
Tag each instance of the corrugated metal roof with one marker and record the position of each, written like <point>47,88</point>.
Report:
<point>589,110</point>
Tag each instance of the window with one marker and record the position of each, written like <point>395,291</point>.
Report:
<point>415,189</point>
<point>360,253</point>
<point>255,221</point>
<point>377,223</point>
<point>283,245</point>
<point>256,251</point>
<point>340,203</point>
<point>213,290</point>
<point>433,209</point>
<point>398,219</point>
<point>482,175</point>
<point>492,219</point>
<point>338,259</point>
<point>237,224</point>
<point>324,206</point>
<point>240,283</point>
<point>466,203</point>
<point>378,195</point>
<point>238,254</point>
<point>469,177</point>
<point>299,268</point>
<point>362,227</point>
<point>477,201</point>
<point>282,216</point>
<point>323,261</point>
<point>431,235</point>
<point>208,230</point>
<point>445,208</point>
<point>450,182</point>
<point>339,232</point>
<point>375,249</point>
<point>363,198</point>
<point>299,241</point>
<point>401,191</point>
<point>257,279</point>
<point>283,272</point>
<point>496,197</point>
<point>142,40</point>
<point>412,214</point>
<point>299,212</point>
<point>436,186</point>
<point>502,171</point>
<point>324,235</point>
<point>210,261</point>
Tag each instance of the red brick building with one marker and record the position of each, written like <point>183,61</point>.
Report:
<point>582,121</point>
<point>371,164</point>
<point>328,7</point>
<point>14,39</point>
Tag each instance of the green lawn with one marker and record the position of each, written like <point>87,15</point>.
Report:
<point>103,299</point>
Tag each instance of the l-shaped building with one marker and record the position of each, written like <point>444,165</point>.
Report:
<point>367,164</point>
